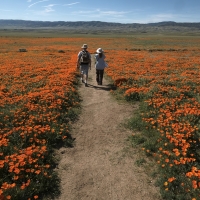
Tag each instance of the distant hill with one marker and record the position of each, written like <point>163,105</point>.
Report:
<point>98,25</point>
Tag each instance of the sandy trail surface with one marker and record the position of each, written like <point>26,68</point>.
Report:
<point>101,165</point>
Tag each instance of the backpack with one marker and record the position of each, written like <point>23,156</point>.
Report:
<point>85,58</point>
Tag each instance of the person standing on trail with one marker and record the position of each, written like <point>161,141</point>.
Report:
<point>100,65</point>
<point>84,63</point>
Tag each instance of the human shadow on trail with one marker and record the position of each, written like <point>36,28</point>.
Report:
<point>107,87</point>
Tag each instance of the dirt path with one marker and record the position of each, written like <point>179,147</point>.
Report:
<point>100,166</point>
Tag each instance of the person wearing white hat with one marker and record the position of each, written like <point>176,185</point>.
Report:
<point>100,65</point>
<point>84,63</point>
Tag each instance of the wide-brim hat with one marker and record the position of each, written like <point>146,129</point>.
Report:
<point>85,46</point>
<point>99,50</point>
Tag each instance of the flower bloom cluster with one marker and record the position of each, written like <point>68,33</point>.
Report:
<point>169,83</point>
<point>38,92</point>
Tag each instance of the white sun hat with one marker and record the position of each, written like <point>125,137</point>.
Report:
<point>99,50</point>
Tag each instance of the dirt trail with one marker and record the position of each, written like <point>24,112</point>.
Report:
<point>100,166</point>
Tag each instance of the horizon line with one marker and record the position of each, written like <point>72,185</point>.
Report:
<point>98,21</point>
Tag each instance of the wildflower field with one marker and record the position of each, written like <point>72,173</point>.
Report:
<point>166,80</point>
<point>40,100</point>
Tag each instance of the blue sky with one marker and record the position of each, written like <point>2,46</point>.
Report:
<point>123,11</point>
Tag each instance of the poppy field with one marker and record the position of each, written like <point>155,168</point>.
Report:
<point>39,100</point>
<point>167,83</point>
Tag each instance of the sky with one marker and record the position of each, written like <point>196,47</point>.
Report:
<point>122,11</point>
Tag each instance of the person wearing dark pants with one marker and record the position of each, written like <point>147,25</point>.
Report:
<point>100,65</point>
<point>99,76</point>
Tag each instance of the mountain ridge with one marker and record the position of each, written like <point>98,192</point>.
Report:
<point>99,25</point>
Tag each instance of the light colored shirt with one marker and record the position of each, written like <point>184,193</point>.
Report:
<point>100,62</point>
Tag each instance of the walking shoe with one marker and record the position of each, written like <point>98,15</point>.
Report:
<point>82,81</point>
<point>86,85</point>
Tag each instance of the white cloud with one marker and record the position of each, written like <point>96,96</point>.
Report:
<point>113,13</point>
<point>70,4</point>
<point>37,3</point>
<point>162,17</point>
<point>98,14</point>
<point>49,8</point>
<point>167,17</point>
<point>170,17</point>
<point>28,0</point>
<point>112,16</point>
